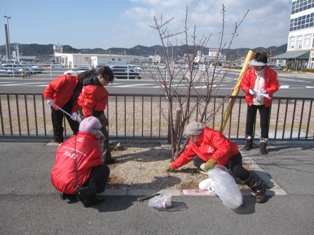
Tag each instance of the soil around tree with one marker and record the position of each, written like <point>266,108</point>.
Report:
<point>143,166</point>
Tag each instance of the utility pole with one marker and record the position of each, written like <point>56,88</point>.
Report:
<point>7,32</point>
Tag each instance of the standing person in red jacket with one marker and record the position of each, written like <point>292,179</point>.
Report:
<point>211,147</point>
<point>259,83</point>
<point>69,172</point>
<point>63,91</point>
<point>93,101</point>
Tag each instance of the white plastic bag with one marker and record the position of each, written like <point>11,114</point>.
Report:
<point>161,201</point>
<point>207,184</point>
<point>226,187</point>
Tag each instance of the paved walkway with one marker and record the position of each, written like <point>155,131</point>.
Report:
<point>30,205</point>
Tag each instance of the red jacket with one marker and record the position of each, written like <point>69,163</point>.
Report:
<point>63,174</point>
<point>211,144</point>
<point>61,90</point>
<point>271,84</point>
<point>93,97</point>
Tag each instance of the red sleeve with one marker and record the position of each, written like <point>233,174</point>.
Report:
<point>245,83</point>
<point>184,158</point>
<point>272,80</point>
<point>87,101</point>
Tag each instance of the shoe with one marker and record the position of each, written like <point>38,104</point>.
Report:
<point>249,145</point>
<point>70,197</point>
<point>93,201</point>
<point>63,196</point>
<point>110,161</point>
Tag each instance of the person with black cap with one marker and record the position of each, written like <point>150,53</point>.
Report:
<point>93,101</point>
<point>208,147</point>
<point>259,83</point>
<point>78,163</point>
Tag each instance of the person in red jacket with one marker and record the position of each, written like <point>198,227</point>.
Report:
<point>208,147</point>
<point>63,91</point>
<point>259,83</point>
<point>93,101</point>
<point>68,172</point>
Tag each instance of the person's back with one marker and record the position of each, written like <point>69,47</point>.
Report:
<point>78,163</point>
<point>85,147</point>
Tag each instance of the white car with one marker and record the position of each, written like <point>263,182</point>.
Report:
<point>56,65</point>
<point>77,70</point>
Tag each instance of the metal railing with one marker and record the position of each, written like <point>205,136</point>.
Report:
<point>27,117</point>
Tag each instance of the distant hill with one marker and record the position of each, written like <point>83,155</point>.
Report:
<point>45,51</point>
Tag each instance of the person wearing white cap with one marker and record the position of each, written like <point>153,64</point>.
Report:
<point>78,163</point>
<point>259,83</point>
<point>210,147</point>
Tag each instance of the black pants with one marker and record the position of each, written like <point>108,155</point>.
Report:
<point>105,146</point>
<point>100,175</point>
<point>57,121</point>
<point>264,120</point>
<point>234,165</point>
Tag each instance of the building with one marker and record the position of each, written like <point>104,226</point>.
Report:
<point>300,46</point>
<point>212,57</point>
<point>71,60</point>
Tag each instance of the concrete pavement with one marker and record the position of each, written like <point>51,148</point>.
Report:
<point>30,205</point>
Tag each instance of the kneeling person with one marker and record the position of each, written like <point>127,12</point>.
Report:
<point>78,162</point>
<point>211,147</point>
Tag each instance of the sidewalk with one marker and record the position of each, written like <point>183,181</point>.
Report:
<point>30,205</point>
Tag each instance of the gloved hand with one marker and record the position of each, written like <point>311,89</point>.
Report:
<point>263,92</point>
<point>169,168</point>
<point>252,92</point>
<point>74,116</point>
<point>210,164</point>
<point>50,102</point>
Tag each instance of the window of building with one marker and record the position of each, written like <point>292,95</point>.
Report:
<point>299,42</point>
<point>291,42</point>
<point>301,5</point>
<point>307,40</point>
<point>302,22</point>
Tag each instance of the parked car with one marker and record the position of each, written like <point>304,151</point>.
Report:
<point>12,66</point>
<point>98,66</point>
<point>77,70</point>
<point>29,69</point>
<point>56,65</point>
<point>274,66</point>
<point>136,68</point>
<point>37,68</point>
<point>124,71</point>
<point>4,71</point>
<point>161,66</point>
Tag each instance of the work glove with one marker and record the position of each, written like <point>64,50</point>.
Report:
<point>50,102</point>
<point>252,92</point>
<point>169,168</point>
<point>210,164</point>
<point>74,116</point>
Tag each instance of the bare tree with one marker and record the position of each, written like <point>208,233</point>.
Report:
<point>181,84</point>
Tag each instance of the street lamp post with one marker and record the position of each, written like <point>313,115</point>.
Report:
<point>9,46</point>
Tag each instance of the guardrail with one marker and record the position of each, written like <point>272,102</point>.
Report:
<point>27,117</point>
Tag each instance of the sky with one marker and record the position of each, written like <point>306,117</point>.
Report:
<point>128,23</point>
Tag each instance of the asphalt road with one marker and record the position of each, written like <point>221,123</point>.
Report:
<point>291,84</point>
